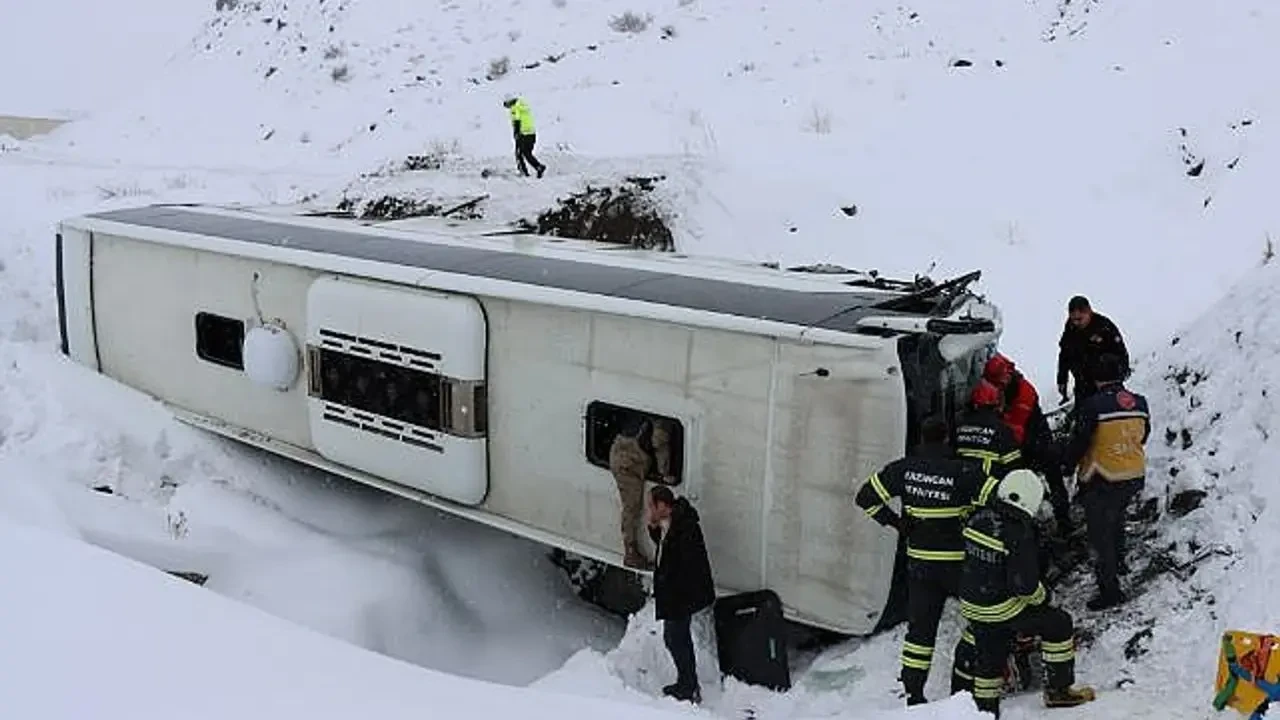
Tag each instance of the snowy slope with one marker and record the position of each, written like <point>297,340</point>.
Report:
<point>1214,389</point>
<point>91,634</point>
<point>1058,169</point>
<point>64,58</point>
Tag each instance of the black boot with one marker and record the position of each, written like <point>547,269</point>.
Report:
<point>683,693</point>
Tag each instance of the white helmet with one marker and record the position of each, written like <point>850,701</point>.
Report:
<point>1022,489</point>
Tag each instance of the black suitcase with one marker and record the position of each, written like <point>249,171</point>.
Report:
<point>751,639</point>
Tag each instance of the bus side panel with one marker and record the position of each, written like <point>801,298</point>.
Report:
<point>147,298</point>
<point>548,366</point>
<point>827,559</point>
<point>74,277</point>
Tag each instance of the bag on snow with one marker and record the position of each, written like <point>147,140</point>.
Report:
<point>751,639</point>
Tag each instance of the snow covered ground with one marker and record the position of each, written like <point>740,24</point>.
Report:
<point>1125,151</point>
<point>91,634</point>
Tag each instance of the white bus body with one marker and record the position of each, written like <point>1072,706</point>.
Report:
<point>483,375</point>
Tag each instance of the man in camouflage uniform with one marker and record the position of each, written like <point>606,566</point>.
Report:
<point>640,452</point>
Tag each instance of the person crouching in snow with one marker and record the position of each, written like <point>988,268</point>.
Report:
<point>522,129</point>
<point>682,584</point>
<point>1002,597</point>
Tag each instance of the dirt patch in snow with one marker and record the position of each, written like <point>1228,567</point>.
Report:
<point>397,207</point>
<point>625,214</point>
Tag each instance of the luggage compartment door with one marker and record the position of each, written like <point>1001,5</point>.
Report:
<point>396,384</point>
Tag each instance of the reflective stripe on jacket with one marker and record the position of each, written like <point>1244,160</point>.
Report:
<point>1001,566</point>
<point>938,492</point>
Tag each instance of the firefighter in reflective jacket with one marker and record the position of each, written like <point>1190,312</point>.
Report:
<point>1001,596</point>
<point>982,434</point>
<point>938,491</point>
<point>1108,451</point>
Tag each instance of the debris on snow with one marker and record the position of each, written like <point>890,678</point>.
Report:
<point>1184,502</point>
<point>625,214</point>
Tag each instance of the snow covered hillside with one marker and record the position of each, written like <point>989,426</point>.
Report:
<point>1205,565</point>
<point>64,58</point>
<point>1126,151</point>
<point>1041,141</point>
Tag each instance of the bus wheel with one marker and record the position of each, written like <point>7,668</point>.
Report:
<point>614,589</point>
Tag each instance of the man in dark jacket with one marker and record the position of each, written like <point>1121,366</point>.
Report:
<point>981,433</point>
<point>1002,597</point>
<point>1108,450</point>
<point>682,583</point>
<point>938,491</point>
<point>1086,336</point>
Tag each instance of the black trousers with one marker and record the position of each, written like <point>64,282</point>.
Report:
<point>678,637</point>
<point>991,642</point>
<point>929,584</point>
<point>1105,505</point>
<point>524,154</point>
<point>1045,456</point>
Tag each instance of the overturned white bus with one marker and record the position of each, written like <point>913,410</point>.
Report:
<point>485,375</point>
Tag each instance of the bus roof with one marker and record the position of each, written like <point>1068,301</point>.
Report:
<point>723,287</point>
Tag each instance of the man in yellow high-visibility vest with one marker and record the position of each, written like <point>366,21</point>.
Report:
<point>522,129</point>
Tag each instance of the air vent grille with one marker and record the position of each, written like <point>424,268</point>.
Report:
<point>380,350</point>
<point>383,426</point>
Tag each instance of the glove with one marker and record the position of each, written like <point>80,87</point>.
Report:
<point>905,524</point>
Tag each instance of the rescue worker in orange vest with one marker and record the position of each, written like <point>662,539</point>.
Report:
<point>1030,428</point>
<point>525,137</point>
<point>1108,450</point>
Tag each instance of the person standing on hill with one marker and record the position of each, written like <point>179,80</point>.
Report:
<point>1086,336</point>
<point>525,137</point>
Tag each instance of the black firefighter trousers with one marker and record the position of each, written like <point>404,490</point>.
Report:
<point>991,645</point>
<point>929,584</point>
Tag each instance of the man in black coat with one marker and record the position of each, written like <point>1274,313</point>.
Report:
<point>1086,336</point>
<point>682,583</point>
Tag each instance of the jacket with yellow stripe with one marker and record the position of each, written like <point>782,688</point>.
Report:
<point>1109,440</point>
<point>983,435</point>
<point>938,492</point>
<point>1001,575</point>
